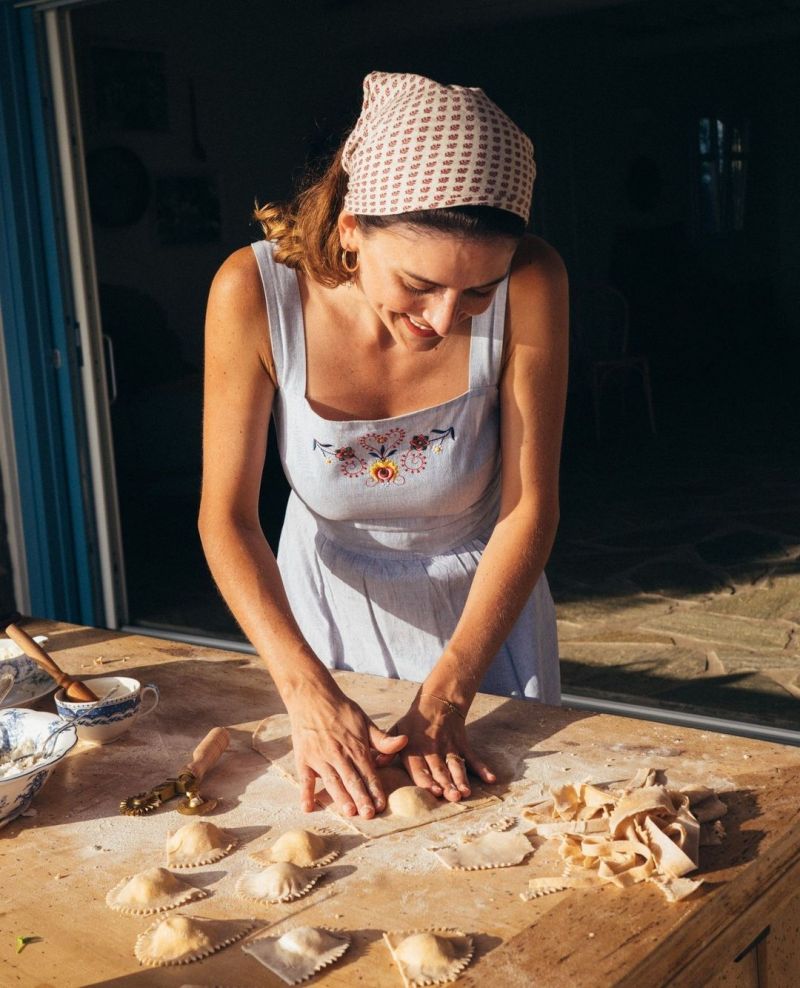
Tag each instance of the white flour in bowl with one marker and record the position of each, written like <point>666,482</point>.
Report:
<point>28,754</point>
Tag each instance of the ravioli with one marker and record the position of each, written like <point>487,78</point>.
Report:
<point>179,939</point>
<point>198,843</point>
<point>280,882</point>
<point>489,850</point>
<point>152,891</point>
<point>429,957</point>
<point>299,953</point>
<point>306,848</point>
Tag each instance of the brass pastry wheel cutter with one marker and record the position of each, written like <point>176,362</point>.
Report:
<point>186,783</point>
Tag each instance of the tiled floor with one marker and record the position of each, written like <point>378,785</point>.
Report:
<point>676,572</point>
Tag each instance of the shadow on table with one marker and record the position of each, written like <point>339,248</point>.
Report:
<point>362,942</point>
<point>507,742</point>
<point>740,844</point>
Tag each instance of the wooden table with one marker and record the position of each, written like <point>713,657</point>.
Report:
<point>56,866</point>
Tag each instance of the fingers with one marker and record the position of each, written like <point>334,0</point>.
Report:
<point>346,765</point>
<point>354,787</point>
<point>441,772</point>
<point>370,780</point>
<point>338,792</point>
<point>447,776</point>
<point>479,766</point>
<point>308,780</point>
<point>417,768</point>
<point>357,790</point>
<point>324,799</point>
<point>458,772</point>
<point>387,744</point>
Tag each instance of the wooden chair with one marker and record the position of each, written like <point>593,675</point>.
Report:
<point>602,324</point>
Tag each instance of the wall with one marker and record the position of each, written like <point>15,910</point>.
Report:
<point>273,82</point>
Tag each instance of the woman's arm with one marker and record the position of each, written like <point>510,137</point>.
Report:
<point>532,398</point>
<point>331,734</point>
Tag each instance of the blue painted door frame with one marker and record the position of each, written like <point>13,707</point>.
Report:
<point>41,340</point>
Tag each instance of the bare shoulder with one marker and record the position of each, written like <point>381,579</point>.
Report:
<point>537,262</point>
<point>237,310</point>
<point>238,282</point>
<point>538,295</point>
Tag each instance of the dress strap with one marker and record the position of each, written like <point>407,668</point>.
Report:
<point>285,314</point>
<point>486,348</point>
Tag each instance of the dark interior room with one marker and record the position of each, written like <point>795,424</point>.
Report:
<point>666,136</point>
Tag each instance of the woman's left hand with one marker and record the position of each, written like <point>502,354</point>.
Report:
<point>438,752</point>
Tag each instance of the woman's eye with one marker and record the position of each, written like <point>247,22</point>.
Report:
<point>416,291</point>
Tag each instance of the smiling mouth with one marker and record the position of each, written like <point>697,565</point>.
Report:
<point>417,330</point>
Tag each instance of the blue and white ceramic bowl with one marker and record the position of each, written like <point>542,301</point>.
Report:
<point>28,676</point>
<point>18,729</point>
<point>13,658</point>
<point>122,701</point>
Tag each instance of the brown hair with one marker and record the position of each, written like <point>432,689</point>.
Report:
<point>306,231</point>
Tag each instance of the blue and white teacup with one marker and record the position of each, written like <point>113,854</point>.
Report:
<point>121,703</point>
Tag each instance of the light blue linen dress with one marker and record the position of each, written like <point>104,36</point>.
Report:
<point>387,518</point>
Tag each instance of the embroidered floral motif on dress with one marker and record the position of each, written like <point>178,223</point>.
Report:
<point>388,457</point>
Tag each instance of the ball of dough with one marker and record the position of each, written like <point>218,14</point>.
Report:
<point>411,801</point>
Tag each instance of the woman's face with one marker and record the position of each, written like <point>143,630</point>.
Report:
<point>423,285</point>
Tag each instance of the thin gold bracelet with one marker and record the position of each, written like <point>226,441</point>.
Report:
<point>451,707</point>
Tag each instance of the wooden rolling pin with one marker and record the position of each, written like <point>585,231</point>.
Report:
<point>206,755</point>
<point>75,690</point>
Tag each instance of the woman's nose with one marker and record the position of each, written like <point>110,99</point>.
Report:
<point>442,313</point>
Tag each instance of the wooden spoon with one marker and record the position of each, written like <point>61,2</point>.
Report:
<point>75,690</point>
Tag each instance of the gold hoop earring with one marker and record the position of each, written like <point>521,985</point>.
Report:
<point>350,269</point>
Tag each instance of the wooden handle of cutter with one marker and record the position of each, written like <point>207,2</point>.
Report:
<point>74,689</point>
<point>206,755</point>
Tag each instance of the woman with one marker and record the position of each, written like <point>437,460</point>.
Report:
<point>412,346</point>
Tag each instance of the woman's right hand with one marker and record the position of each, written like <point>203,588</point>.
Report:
<point>334,740</point>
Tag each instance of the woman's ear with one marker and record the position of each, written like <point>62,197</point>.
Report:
<point>349,231</point>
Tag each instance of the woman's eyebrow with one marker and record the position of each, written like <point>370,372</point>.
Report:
<point>435,284</point>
